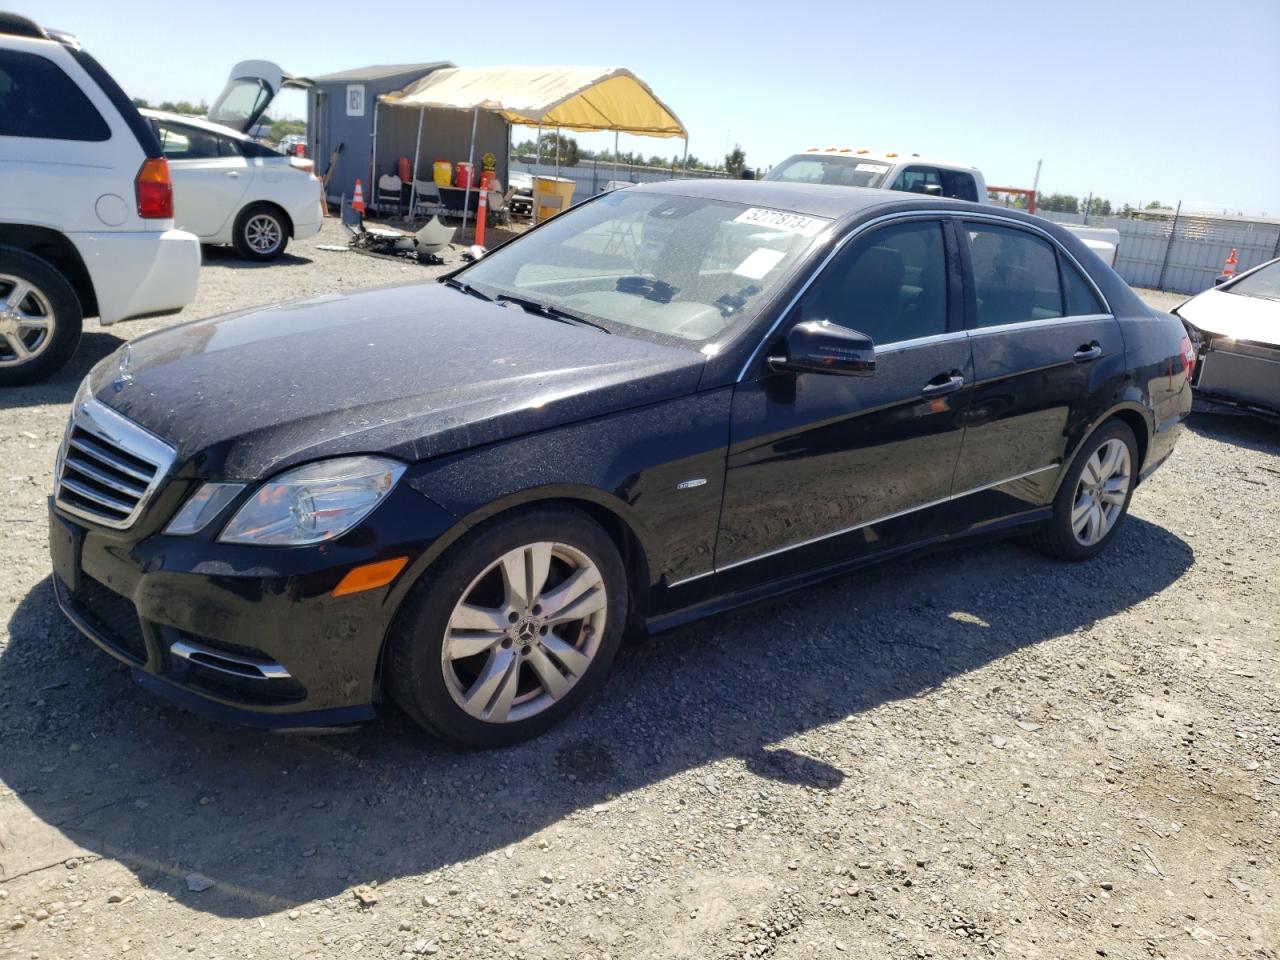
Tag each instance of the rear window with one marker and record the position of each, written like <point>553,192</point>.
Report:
<point>38,100</point>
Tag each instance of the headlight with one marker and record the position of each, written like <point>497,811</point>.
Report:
<point>203,507</point>
<point>313,503</point>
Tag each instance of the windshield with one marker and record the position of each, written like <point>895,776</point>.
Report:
<point>833,171</point>
<point>1264,283</point>
<point>680,267</point>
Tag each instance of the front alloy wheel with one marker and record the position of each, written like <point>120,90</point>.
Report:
<point>511,629</point>
<point>525,632</point>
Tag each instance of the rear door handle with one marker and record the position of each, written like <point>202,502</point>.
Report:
<point>953,383</point>
<point>1087,352</point>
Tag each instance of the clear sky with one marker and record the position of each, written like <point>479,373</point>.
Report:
<point>1135,101</point>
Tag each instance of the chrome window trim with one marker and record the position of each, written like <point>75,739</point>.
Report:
<point>922,341</point>
<point>100,421</point>
<point>1040,324</point>
<point>961,216</point>
<point>865,523</point>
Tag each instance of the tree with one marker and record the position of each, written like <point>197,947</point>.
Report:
<point>735,161</point>
<point>1059,203</point>
<point>1154,205</point>
<point>569,155</point>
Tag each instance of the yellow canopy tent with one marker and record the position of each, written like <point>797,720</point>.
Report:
<point>569,98</point>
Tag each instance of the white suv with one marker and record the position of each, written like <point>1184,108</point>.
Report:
<point>86,205</point>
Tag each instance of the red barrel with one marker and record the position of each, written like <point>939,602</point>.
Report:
<point>462,175</point>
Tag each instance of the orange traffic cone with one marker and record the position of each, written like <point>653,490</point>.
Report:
<point>1229,268</point>
<point>357,202</point>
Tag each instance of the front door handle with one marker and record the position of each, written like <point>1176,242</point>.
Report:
<point>937,387</point>
<point>232,173</point>
<point>1087,352</point>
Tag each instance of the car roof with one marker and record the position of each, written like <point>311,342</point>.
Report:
<point>810,199</point>
<point>198,122</point>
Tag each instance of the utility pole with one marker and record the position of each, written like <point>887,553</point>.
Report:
<point>1035,183</point>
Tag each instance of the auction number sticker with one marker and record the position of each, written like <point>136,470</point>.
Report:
<point>782,220</point>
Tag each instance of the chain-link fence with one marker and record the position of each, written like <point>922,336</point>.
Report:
<point>1183,251</point>
<point>594,176</point>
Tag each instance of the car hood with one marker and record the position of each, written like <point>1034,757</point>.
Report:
<point>1234,315</point>
<point>411,371</point>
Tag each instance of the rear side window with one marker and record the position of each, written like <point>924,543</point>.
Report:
<point>959,185</point>
<point>1015,275</point>
<point>918,179</point>
<point>1081,300</point>
<point>892,285</point>
<point>180,142</point>
<point>38,100</point>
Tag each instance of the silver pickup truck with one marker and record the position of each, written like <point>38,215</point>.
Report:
<point>847,167</point>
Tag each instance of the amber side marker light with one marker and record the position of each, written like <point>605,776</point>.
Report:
<point>370,576</point>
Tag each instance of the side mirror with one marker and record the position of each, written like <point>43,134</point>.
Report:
<point>819,346</point>
<point>1219,281</point>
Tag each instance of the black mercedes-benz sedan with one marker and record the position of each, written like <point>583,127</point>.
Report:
<point>665,402</point>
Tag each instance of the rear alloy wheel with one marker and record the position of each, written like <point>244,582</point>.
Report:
<point>1094,496</point>
<point>40,318</point>
<point>261,233</point>
<point>512,630</point>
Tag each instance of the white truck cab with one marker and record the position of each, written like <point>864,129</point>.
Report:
<point>912,173</point>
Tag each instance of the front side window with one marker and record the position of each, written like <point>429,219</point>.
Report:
<point>890,285</point>
<point>1015,276</point>
<point>830,170</point>
<point>685,268</point>
<point>38,100</point>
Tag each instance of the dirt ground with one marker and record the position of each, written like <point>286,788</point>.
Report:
<point>977,753</point>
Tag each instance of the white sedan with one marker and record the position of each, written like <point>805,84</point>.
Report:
<point>230,189</point>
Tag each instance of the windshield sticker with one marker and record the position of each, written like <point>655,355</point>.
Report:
<point>782,220</point>
<point>870,167</point>
<point>759,263</point>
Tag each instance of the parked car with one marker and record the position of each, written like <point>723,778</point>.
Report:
<point>668,401</point>
<point>847,167</point>
<point>230,189</point>
<point>1235,331</point>
<point>289,143</point>
<point>86,205</point>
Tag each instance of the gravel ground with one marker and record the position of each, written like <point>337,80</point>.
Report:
<point>977,753</point>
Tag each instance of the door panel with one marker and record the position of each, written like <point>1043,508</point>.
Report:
<point>1039,367</point>
<point>1028,388</point>
<point>206,193</point>
<point>813,454</point>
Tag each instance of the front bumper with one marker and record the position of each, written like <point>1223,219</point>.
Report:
<point>1239,374</point>
<point>250,635</point>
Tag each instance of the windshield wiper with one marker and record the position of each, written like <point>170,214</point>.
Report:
<point>466,288</point>
<point>547,310</point>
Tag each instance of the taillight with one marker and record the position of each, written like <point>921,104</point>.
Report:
<point>1188,357</point>
<point>154,190</point>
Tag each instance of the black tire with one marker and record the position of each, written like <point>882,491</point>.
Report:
<point>52,294</point>
<point>414,670</point>
<point>248,232</point>
<point>1057,538</point>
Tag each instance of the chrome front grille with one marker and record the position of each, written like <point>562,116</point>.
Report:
<point>108,466</point>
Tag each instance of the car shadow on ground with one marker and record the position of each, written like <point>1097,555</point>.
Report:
<point>1252,433</point>
<point>228,257</point>
<point>61,386</point>
<point>277,820</point>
